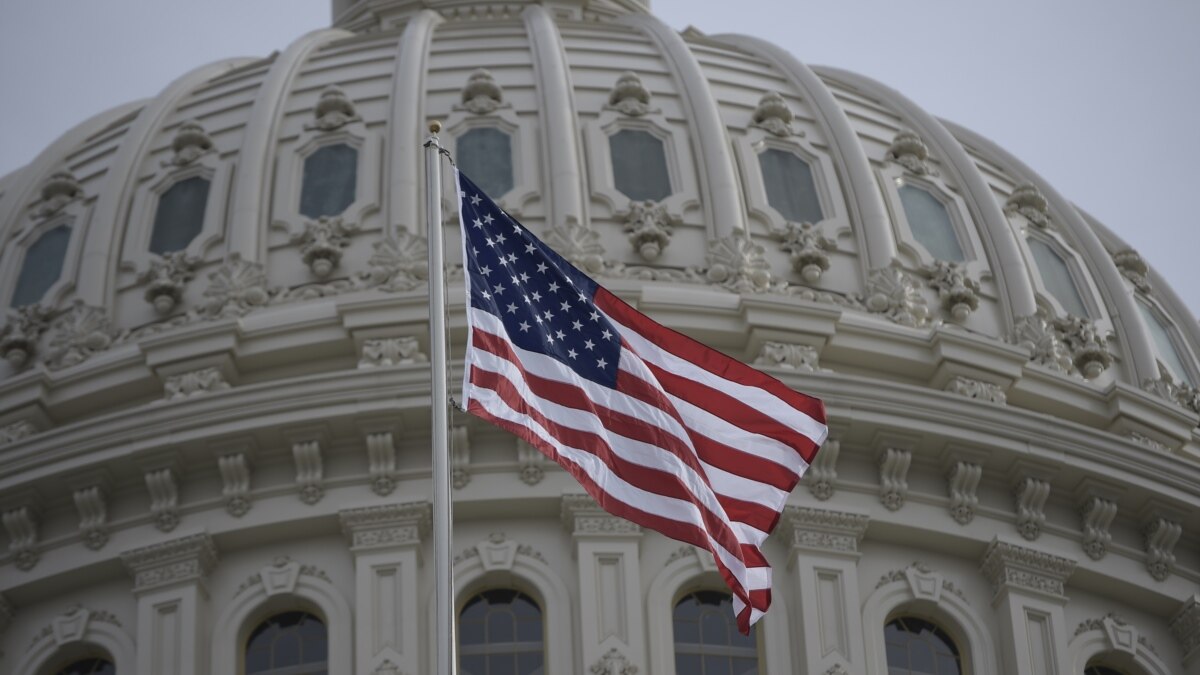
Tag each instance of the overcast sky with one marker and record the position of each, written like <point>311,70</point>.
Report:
<point>1098,96</point>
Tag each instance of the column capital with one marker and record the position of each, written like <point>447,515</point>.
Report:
<point>1012,567</point>
<point>1185,626</point>
<point>182,560</point>
<point>386,525</point>
<point>584,517</point>
<point>826,530</point>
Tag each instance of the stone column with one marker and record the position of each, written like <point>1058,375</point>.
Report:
<point>824,560</point>
<point>610,586</point>
<point>1029,600</point>
<point>385,541</point>
<point>172,604</point>
<point>1185,626</point>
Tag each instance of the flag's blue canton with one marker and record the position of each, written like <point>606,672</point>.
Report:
<point>544,302</point>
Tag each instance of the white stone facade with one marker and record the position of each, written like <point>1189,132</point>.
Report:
<point>191,442</point>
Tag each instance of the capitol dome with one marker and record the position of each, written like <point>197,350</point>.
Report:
<point>214,391</point>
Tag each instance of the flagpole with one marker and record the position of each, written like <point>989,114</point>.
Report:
<point>445,660</point>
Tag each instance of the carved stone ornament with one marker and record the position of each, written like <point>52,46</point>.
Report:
<point>909,151</point>
<point>333,111</point>
<point>976,389</point>
<point>822,473</point>
<point>194,383</point>
<point>530,460</point>
<point>739,264</point>
<point>1098,515</point>
<point>15,431</point>
<point>807,248</point>
<point>703,558</point>
<point>191,142</point>
<point>236,288</point>
<point>1028,201</point>
<point>1133,268</point>
<point>21,525</point>
<point>774,115</point>
<point>399,264</point>
<point>836,669</point>
<point>1008,566</point>
<point>956,289</point>
<point>629,95</point>
<point>281,576</point>
<point>648,226</point>
<point>381,463</point>
<point>924,583</point>
<point>836,531</point>
<point>90,502</point>
<point>1180,393</point>
<point>1145,440</point>
<point>893,477</point>
<point>164,498</point>
<point>77,334</point>
<point>580,245</point>
<point>21,333</point>
<point>235,483</point>
<point>1161,536</point>
<point>309,471</point>
<point>1185,626</point>
<point>498,553</point>
<point>1031,495</point>
<point>460,457</point>
<point>397,351</point>
<point>482,95</point>
<point>585,518</point>
<point>322,243</point>
<point>963,482</point>
<point>385,525</point>
<point>60,189</point>
<point>791,356</point>
<point>893,293</point>
<point>1089,350</point>
<point>386,667</point>
<point>613,662</point>
<point>1070,345</point>
<point>183,560</point>
<point>166,279</point>
<point>1037,334</point>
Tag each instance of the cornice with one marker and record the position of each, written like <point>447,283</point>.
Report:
<point>182,560</point>
<point>386,525</point>
<point>826,530</point>
<point>1009,567</point>
<point>583,517</point>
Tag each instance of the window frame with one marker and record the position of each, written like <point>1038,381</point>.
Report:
<point>266,613</point>
<point>757,141</point>
<point>1175,335</point>
<point>511,585</point>
<point>702,585</point>
<point>523,136</point>
<point>911,612</point>
<point>497,121</point>
<point>1087,289</point>
<point>893,177</point>
<point>676,149</point>
<point>13,261</point>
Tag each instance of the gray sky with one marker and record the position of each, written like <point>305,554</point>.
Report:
<point>1098,96</point>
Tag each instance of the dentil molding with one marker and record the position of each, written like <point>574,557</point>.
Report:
<point>1012,567</point>
<point>185,559</point>
<point>385,525</point>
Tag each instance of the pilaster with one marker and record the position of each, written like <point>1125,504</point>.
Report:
<point>1185,626</point>
<point>385,541</point>
<point>607,549</point>
<point>172,604</point>
<point>824,560</point>
<point>1029,600</point>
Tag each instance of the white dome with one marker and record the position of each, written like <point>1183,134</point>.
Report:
<point>228,332</point>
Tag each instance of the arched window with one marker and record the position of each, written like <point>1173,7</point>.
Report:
<point>707,641</point>
<point>1164,345</point>
<point>92,666</point>
<point>918,647</point>
<point>790,187</point>
<point>500,633</point>
<point>485,155</point>
<point>930,223</point>
<point>639,164</point>
<point>330,181</point>
<point>42,266</point>
<point>291,643</point>
<point>180,215</point>
<point>1056,276</point>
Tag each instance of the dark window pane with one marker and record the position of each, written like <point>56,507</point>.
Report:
<point>790,187</point>
<point>330,181</point>
<point>639,165</point>
<point>1164,345</point>
<point>180,215</point>
<point>485,156</point>
<point>707,641</point>
<point>89,667</point>
<point>500,633</point>
<point>687,664</point>
<point>472,665</point>
<point>1056,276</point>
<point>285,641</point>
<point>918,647</point>
<point>42,266</point>
<point>930,224</point>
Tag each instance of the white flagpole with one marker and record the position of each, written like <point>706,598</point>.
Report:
<point>445,659</point>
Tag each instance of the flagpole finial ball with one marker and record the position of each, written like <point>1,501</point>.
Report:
<point>435,127</point>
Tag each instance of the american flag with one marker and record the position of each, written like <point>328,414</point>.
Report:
<point>658,428</point>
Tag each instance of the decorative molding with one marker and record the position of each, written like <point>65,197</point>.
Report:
<point>826,530</point>
<point>580,245</point>
<point>333,110</point>
<point>1088,347</point>
<point>1036,333</point>
<point>309,471</point>
<point>381,463</point>
<point>386,667</point>
<point>72,625</point>
<point>397,264</point>
<point>77,334</point>
<point>738,264</point>
<point>60,189</point>
<point>191,142</point>
<point>613,662</point>
<point>585,518</point>
<point>236,288</point>
<point>1031,494</point>
<point>1068,345</point>
<point>837,669</point>
<point>322,242</point>
<point>1161,536</point>
<point>1185,626</point>
<point>629,96</point>
<point>649,228</point>
<point>893,293</point>
<point>235,479</point>
<point>20,335</point>
<point>530,460</point>
<point>460,457</point>
<point>1028,201</point>
<point>22,527</point>
<point>803,358</point>
<point>498,552</point>
<point>1098,514</point>
<point>976,389</point>
<point>281,576</point>
<point>164,498</point>
<point>822,473</point>
<point>385,525</point>
<point>16,431</point>
<point>194,383</point>
<point>166,278</point>
<point>482,94</point>
<point>703,558</point>
<point>893,477</point>
<point>1145,440</point>
<point>1122,636</point>
<point>958,292</point>
<point>1180,393</point>
<point>395,351</point>
<point>924,583</point>
<point>774,116</point>
<point>186,559</point>
<point>963,481</point>
<point>807,248</point>
<point>1011,567</point>
<point>909,151</point>
<point>1133,268</point>
<point>93,516</point>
